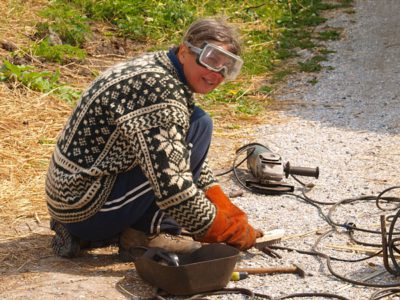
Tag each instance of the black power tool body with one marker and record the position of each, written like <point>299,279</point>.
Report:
<point>269,170</point>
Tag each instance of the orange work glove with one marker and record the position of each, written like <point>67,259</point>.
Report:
<point>230,224</point>
<point>217,196</point>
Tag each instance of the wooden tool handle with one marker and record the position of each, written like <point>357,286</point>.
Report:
<point>269,270</point>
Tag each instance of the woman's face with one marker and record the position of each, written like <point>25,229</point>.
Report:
<point>200,79</point>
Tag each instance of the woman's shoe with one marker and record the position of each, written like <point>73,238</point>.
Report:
<point>63,243</point>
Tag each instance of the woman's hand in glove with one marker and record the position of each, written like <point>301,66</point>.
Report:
<point>230,224</point>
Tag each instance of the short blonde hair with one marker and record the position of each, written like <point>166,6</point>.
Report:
<point>213,29</point>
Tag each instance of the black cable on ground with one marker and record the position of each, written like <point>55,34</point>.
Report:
<point>390,199</point>
<point>251,148</point>
<point>227,291</point>
<point>362,243</point>
<point>384,293</point>
<point>321,213</point>
<point>314,252</point>
<point>251,295</point>
<point>351,226</point>
<point>304,295</point>
<point>393,244</point>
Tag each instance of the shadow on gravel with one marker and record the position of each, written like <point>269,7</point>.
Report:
<point>99,271</point>
<point>33,254</point>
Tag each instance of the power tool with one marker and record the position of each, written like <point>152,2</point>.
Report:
<point>268,170</point>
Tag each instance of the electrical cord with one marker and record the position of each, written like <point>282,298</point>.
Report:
<point>391,245</point>
<point>239,151</point>
<point>252,295</point>
<point>313,203</point>
<point>384,293</point>
<point>328,218</point>
<point>304,295</point>
<point>328,259</point>
<point>390,248</point>
<point>356,282</point>
<point>358,242</point>
<point>250,147</point>
<point>351,226</point>
<point>392,199</point>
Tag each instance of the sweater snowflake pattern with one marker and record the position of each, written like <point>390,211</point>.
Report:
<point>135,114</point>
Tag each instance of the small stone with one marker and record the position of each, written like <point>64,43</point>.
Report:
<point>236,193</point>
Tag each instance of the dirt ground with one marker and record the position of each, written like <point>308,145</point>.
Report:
<point>29,123</point>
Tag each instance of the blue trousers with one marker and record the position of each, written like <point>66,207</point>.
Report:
<point>132,200</point>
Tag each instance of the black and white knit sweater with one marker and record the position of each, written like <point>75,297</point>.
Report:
<point>136,113</point>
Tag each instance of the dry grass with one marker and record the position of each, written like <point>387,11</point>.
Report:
<point>30,123</point>
<point>17,19</point>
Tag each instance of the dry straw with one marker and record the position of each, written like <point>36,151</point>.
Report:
<point>29,125</point>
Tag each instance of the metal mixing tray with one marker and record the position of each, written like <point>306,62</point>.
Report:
<point>208,268</point>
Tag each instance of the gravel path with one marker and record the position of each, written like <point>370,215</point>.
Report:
<point>348,124</point>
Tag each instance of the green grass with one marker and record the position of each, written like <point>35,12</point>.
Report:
<point>67,21</point>
<point>327,35</point>
<point>248,107</point>
<point>41,81</point>
<point>265,90</point>
<point>281,74</point>
<point>312,64</point>
<point>272,31</point>
<point>313,81</point>
<point>58,53</point>
<point>229,92</point>
<point>325,51</point>
<point>341,4</point>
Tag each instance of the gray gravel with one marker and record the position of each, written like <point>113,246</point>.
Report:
<point>348,124</point>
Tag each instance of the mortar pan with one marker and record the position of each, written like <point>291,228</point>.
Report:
<point>206,269</point>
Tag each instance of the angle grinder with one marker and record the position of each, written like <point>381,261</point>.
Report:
<point>269,170</point>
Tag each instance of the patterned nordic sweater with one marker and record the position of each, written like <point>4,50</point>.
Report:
<point>136,113</point>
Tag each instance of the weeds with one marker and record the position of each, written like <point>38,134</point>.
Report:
<point>341,4</point>
<point>265,90</point>
<point>280,75</point>
<point>44,82</point>
<point>312,64</point>
<point>58,53</point>
<point>272,31</point>
<point>325,51</point>
<point>329,35</point>
<point>138,20</point>
<point>248,107</point>
<point>65,20</point>
<point>313,81</point>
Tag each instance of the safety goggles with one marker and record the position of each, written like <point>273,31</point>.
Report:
<point>217,59</point>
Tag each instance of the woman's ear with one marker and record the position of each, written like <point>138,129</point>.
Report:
<point>182,53</point>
